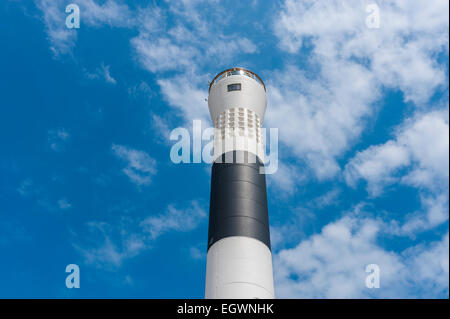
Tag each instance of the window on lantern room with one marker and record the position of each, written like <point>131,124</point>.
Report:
<point>234,87</point>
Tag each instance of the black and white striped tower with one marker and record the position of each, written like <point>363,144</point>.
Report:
<point>239,259</point>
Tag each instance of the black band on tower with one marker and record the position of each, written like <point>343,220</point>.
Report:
<point>238,205</point>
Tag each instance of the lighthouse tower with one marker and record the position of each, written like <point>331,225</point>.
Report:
<point>239,259</point>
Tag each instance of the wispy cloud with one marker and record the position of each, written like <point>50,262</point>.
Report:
<point>291,229</point>
<point>61,38</point>
<point>103,72</point>
<point>286,179</point>
<point>106,246</point>
<point>110,244</point>
<point>162,55</point>
<point>58,138</point>
<point>140,166</point>
<point>40,195</point>
<point>26,187</point>
<point>160,128</point>
<point>141,88</point>
<point>329,198</point>
<point>197,253</point>
<point>186,95</point>
<point>174,219</point>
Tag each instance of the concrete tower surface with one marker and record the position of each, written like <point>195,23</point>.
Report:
<point>239,259</point>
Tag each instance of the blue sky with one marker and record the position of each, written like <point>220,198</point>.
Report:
<point>86,175</point>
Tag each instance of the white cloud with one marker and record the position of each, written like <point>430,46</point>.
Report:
<point>286,178</point>
<point>197,252</point>
<point>418,156</point>
<point>107,74</point>
<point>321,117</point>
<point>293,224</point>
<point>191,43</point>
<point>162,54</point>
<point>332,264</point>
<point>184,93</point>
<point>434,212</point>
<point>161,129</point>
<point>429,266</point>
<point>174,219</point>
<point>225,48</point>
<point>110,12</point>
<point>428,141</point>
<point>102,72</point>
<point>421,146</point>
<point>99,249</point>
<point>329,198</point>
<point>194,16</point>
<point>246,45</point>
<point>140,166</point>
<point>376,164</point>
<point>401,53</point>
<point>183,90</point>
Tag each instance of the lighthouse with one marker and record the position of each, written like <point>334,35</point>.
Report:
<point>239,258</point>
